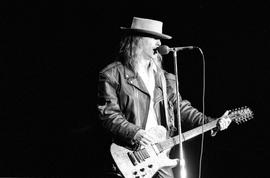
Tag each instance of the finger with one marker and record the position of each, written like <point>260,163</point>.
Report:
<point>149,138</point>
<point>224,126</point>
<point>221,124</point>
<point>145,142</point>
<point>224,123</point>
<point>226,114</point>
<point>227,121</point>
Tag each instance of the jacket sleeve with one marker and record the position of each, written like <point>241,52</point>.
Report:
<point>191,115</point>
<point>110,114</point>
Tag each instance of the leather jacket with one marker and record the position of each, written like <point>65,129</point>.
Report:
<point>123,103</point>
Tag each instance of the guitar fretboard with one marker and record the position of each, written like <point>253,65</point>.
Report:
<point>186,135</point>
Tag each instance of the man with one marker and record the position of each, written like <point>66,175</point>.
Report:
<point>131,93</point>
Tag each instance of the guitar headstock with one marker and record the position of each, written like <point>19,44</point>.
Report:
<point>241,115</point>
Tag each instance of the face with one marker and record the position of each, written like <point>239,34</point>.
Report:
<point>148,46</point>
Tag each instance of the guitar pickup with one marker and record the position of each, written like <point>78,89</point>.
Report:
<point>132,158</point>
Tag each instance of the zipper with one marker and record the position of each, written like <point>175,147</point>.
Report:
<point>137,105</point>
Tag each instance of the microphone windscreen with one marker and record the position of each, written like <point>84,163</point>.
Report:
<point>163,49</point>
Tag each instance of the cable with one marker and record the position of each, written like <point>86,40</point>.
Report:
<point>203,111</point>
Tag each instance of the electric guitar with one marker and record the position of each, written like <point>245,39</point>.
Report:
<point>146,161</point>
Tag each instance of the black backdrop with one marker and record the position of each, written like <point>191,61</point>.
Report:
<point>50,57</point>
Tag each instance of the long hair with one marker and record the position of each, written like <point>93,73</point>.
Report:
<point>128,51</point>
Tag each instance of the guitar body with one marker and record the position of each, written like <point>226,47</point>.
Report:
<point>144,162</point>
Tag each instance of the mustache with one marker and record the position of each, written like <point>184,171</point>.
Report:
<point>155,50</point>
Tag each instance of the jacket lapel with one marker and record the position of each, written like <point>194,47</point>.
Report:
<point>135,80</point>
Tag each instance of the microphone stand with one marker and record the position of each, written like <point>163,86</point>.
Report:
<point>182,171</point>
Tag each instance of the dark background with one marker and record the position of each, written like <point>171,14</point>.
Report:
<point>50,56</point>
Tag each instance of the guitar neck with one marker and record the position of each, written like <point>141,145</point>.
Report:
<point>188,135</point>
<point>198,130</point>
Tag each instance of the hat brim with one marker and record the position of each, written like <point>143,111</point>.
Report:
<point>141,32</point>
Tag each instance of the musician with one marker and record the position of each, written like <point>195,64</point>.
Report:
<point>131,96</point>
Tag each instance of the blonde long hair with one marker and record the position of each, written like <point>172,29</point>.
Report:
<point>128,51</point>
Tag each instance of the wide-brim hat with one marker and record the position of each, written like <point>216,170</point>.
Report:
<point>146,27</point>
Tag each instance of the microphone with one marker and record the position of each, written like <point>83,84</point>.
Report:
<point>164,49</point>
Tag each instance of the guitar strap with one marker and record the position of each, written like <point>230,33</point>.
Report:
<point>170,123</point>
